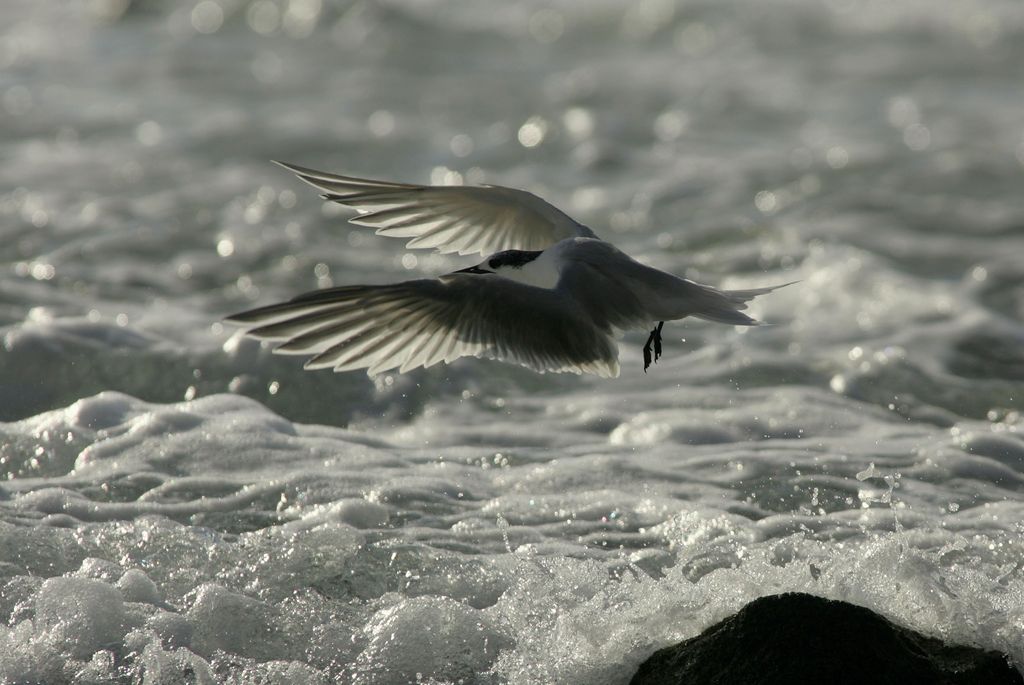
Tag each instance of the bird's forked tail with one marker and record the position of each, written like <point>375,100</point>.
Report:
<point>725,306</point>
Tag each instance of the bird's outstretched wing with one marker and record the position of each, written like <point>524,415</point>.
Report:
<point>422,322</point>
<point>462,219</point>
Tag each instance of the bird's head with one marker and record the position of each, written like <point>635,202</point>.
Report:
<point>506,263</point>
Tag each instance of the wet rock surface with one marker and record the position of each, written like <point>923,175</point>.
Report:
<point>799,638</point>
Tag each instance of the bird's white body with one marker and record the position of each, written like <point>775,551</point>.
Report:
<point>550,296</point>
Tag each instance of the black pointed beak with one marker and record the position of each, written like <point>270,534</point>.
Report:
<point>473,270</point>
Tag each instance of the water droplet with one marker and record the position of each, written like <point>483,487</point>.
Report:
<point>207,17</point>
<point>531,133</point>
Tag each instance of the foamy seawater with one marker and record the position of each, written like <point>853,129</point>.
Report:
<point>178,505</point>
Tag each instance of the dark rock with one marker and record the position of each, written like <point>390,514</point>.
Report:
<point>798,638</point>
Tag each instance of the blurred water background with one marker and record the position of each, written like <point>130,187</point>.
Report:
<point>180,506</point>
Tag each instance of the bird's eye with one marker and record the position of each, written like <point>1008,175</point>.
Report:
<point>493,264</point>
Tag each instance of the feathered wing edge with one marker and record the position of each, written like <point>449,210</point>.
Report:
<point>423,322</point>
<point>450,219</point>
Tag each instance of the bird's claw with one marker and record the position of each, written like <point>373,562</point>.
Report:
<point>653,339</point>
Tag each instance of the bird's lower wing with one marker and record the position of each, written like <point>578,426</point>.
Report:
<point>462,219</point>
<point>422,322</point>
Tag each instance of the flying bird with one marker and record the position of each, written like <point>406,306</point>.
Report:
<point>550,296</point>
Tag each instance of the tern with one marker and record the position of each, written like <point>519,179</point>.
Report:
<point>550,296</point>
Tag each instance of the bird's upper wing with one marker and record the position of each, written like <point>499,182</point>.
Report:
<point>422,322</point>
<point>462,219</point>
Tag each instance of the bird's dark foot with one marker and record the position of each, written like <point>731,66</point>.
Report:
<point>653,339</point>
